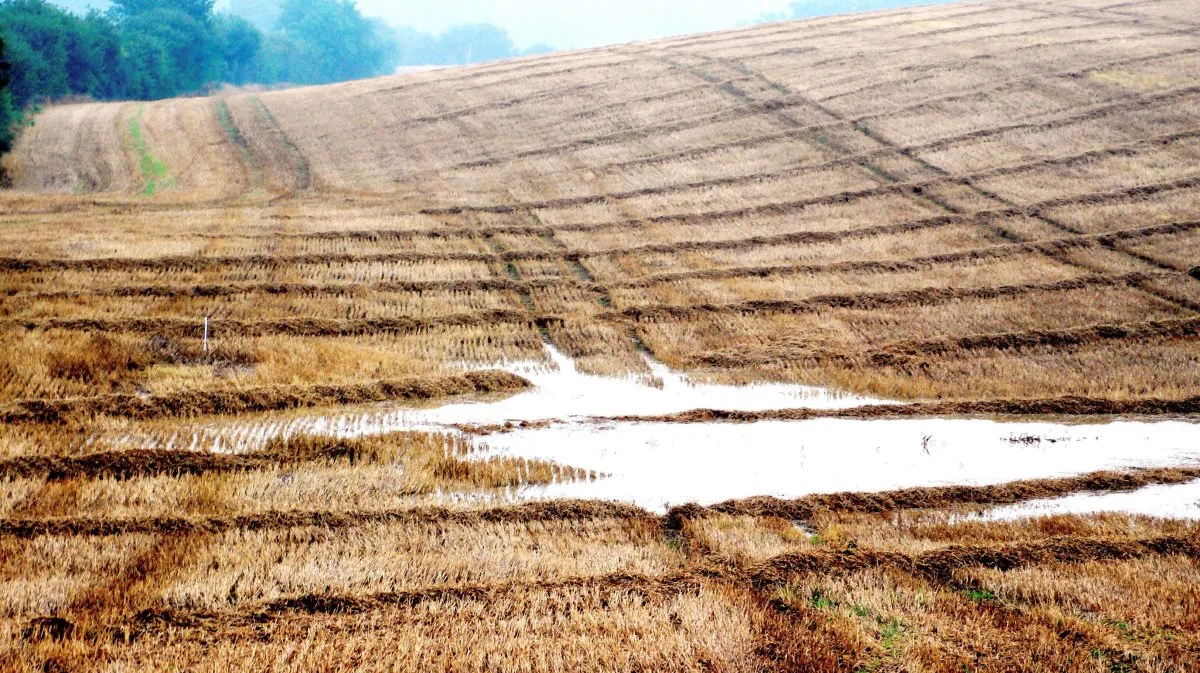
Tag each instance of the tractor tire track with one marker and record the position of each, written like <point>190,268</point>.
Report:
<point>317,327</point>
<point>875,300</point>
<point>141,463</point>
<point>1002,251</point>
<point>468,232</point>
<point>971,181</point>
<point>1125,149</point>
<point>901,353</point>
<point>746,109</point>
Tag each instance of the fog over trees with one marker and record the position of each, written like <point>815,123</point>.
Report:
<point>807,9</point>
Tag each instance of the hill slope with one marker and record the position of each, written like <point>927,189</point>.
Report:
<point>988,203</point>
<point>988,200</point>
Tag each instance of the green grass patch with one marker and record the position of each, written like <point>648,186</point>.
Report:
<point>153,170</point>
<point>890,633</point>
<point>820,601</point>
<point>980,595</point>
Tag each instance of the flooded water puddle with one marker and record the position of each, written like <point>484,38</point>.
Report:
<point>1179,501</point>
<point>656,464</point>
<point>561,392</point>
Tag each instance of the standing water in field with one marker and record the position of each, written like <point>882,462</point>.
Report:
<point>1180,501</point>
<point>562,392</point>
<point>660,464</point>
<point>656,464</point>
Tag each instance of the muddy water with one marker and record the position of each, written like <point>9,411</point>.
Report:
<point>656,465</point>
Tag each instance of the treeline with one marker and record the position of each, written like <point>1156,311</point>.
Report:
<point>459,45</point>
<point>8,113</point>
<point>160,48</point>
<point>148,49</point>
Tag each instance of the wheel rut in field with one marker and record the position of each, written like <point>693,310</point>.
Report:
<point>128,607</point>
<point>296,165</point>
<point>848,157</point>
<point>998,229</point>
<point>899,353</point>
<point>190,328</point>
<point>788,101</point>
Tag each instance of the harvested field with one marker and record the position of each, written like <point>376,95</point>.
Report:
<point>738,583</point>
<point>422,372</point>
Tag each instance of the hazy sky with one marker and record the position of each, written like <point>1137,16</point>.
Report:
<point>569,24</point>
<point>565,24</point>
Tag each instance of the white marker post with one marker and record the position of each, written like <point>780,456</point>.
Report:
<point>205,334</point>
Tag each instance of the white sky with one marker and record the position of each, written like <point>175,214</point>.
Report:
<point>570,24</point>
<point>564,24</point>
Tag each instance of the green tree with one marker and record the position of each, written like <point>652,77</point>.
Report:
<point>37,37</point>
<point>170,52</point>
<point>198,10</point>
<point>180,46</point>
<point>151,72</point>
<point>330,41</point>
<point>95,64</point>
<point>7,114</point>
<point>238,45</point>
<point>5,68</point>
<point>56,54</point>
<point>160,48</point>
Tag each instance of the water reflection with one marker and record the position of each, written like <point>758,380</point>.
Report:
<point>562,392</point>
<point>1178,501</point>
<point>658,464</point>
